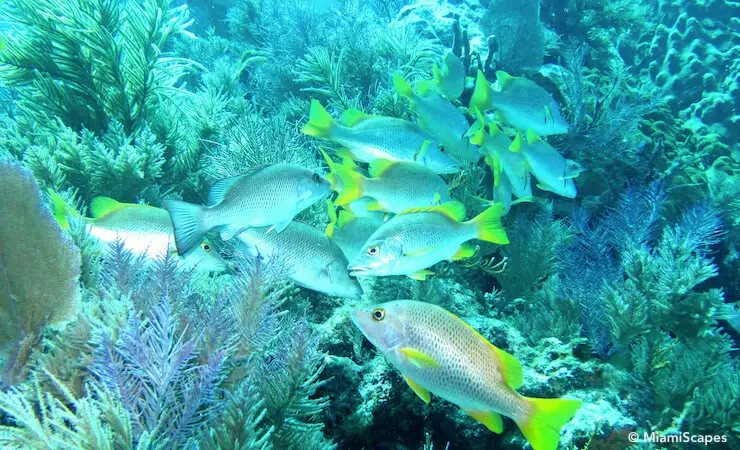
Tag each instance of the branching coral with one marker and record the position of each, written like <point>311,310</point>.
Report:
<point>88,62</point>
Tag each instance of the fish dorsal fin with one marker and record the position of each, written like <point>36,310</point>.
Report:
<point>420,391</point>
<point>504,79</point>
<point>532,137</point>
<point>102,206</point>
<point>220,188</point>
<point>352,117</point>
<point>510,367</point>
<point>419,358</point>
<point>453,210</point>
<point>345,217</point>
<point>379,166</point>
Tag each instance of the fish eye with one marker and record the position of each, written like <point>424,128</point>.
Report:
<point>442,148</point>
<point>316,178</point>
<point>205,246</point>
<point>378,314</point>
<point>372,251</point>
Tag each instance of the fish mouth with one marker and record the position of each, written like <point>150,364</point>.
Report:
<point>358,270</point>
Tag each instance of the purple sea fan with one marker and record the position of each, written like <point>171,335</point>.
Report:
<point>154,370</point>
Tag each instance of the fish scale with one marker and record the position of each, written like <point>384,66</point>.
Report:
<point>310,258</point>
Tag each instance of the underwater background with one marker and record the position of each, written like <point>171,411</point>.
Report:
<point>620,295</point>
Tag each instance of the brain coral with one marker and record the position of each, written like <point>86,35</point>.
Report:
<point>693,58</point>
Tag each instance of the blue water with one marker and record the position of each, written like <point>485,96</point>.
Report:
<point>206,208</point>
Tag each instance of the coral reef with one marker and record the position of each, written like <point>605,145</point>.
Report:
<point>622,297</point>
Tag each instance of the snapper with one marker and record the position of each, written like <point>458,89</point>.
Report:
<point>438,353</point>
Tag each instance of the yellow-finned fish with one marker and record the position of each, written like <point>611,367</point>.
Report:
<point>510,170</point>
<point>143,230</point>
<point>350,232</point>
<point>308,257</point>
<point>440,117</point>
<point>522,103</point>
<point>450,79</point>
<point>416,239</point>
<point>367,138</point>
<point>266,196</point>
<point>553,172</point>
<point>438,353</point>
<point>394,186</point>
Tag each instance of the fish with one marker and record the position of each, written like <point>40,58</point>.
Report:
<point>440,117</point>
<point>553,172</point>
<point>521,103</point>
<point>418,238</point>
<point>350,232</point>
<point>142,230</point>
<point>269,195</point>
<point>394,186</point>
<point>438,353</point>
<point>504,162</point>
<point>367,138</point>
<point>450,79</point>
<point>309,258</point>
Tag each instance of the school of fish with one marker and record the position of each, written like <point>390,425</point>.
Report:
<point>392,215</point>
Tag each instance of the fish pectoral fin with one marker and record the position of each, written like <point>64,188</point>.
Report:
<point>420,275</point>
<point>420,391</point>
<point>437,199</point>
<point>465,251</point>
<point>280,226</point>
<point>418,358</point>
<point>229,231</point>
<point>419,156</point>
<point>376,206</point>
<point>492,420</point>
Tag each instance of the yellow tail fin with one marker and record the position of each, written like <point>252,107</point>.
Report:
<point>402,86</point>
<point>481,98</point>
<point>61,210</point>
<point>351,188</point>
<point>489,227</point>
<point>546,418</point>
<point>319,122</point>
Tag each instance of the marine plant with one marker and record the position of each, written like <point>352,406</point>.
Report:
<point>118,69</point>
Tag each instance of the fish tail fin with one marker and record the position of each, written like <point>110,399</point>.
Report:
<point>402,86</point>
<point>187,221</point>
<point>488,225</point>
<point>61,210</point>
<point>319,121</point>
<point>481,98</point>
<point>547,416</point>
<point>352,184</point>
